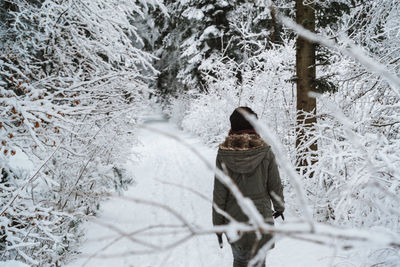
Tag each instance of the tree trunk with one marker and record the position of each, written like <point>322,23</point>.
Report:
<point>305,71</point>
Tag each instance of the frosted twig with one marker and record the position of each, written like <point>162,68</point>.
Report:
<point>30,180</point>
<point>351,50</point>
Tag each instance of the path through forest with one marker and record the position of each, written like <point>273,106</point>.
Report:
<point>164,159</point>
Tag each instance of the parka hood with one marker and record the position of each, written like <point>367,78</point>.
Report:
<point>243,153</point>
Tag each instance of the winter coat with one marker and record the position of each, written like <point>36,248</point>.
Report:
<point>251,164</point>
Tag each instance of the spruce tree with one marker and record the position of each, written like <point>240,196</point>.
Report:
<point>196,31</point>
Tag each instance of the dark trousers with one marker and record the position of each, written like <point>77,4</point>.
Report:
<point>241,257</point>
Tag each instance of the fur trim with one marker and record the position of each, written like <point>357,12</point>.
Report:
<point>242,142</point>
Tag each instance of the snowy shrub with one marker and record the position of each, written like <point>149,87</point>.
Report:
<point>71,89</point>
<point>265,86</point>
<point>176,108</point>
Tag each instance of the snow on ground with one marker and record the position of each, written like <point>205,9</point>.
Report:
<point>12,264</point>
<point>164,159</point>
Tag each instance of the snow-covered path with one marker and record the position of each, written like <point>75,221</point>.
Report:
<point>164,159</point>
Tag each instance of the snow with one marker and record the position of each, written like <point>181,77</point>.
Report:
<point>193,13</point>
<point>291,252</point>
<point>21,161</point>
<point>210,31</point>
<point>12,264</point>
<point>166,160</point>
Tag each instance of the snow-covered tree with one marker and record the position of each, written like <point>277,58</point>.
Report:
<point>197,31</point>
<point>71,85</point>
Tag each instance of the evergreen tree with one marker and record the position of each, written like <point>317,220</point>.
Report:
<point>197,31</point>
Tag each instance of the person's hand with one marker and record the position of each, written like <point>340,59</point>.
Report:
<point>220,242</point>
<point>277,214</point>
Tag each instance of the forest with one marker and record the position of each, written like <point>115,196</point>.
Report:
<point>84,85</point>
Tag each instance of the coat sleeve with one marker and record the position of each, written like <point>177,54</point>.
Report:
<point>274,185</point>
<point>220,195</point>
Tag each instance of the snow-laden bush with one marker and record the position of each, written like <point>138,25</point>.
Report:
<point>71,88</point>
<point>265,85</point>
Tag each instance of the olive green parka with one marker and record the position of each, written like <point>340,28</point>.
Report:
<point>251,165</point>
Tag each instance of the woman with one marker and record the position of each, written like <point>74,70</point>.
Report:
<point>251,164</point>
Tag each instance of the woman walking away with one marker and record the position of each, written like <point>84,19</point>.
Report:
<point>251,164</point>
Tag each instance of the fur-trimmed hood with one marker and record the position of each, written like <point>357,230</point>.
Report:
<point>242,153</point>
<point>244,141</point>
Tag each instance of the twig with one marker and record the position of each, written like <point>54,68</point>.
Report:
<point>33,178</point>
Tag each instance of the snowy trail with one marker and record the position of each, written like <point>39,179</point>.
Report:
<point>164,159</point>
